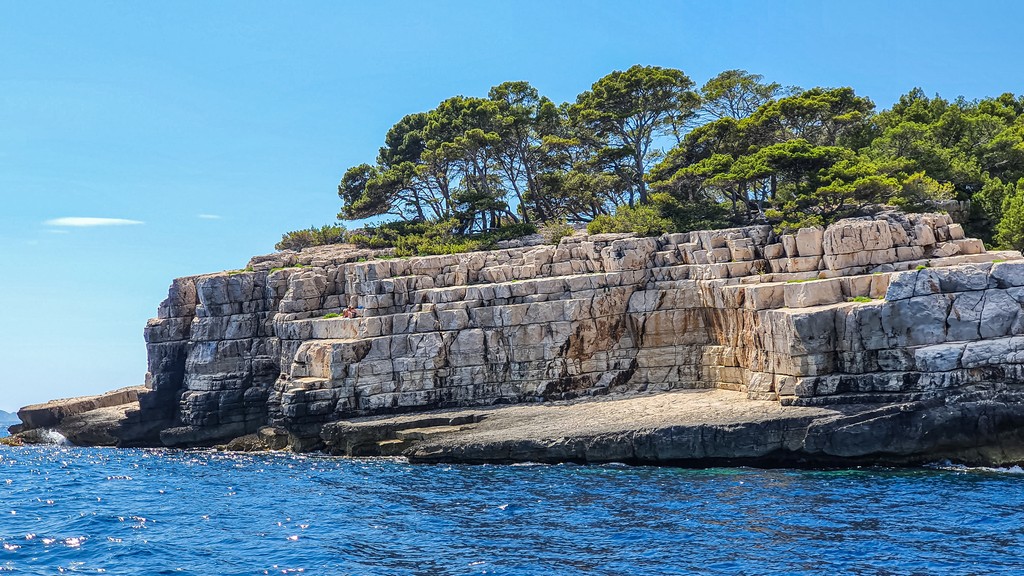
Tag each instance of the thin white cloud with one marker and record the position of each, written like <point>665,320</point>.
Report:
<point>58,231</point>
<point>208,216</point>
<point>87,222</point>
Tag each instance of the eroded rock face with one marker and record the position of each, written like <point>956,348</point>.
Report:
<point>52,413</point>
<point>84,421</point>
<point>822,317</point>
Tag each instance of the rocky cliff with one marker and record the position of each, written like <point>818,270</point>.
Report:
<point>888,311</point>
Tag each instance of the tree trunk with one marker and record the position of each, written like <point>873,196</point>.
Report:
<point>641,185</point>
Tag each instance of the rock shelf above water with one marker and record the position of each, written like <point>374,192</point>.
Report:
<point>692,428</point>
<point>893,312</point>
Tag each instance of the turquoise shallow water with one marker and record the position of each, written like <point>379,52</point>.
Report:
<point>168,512</point>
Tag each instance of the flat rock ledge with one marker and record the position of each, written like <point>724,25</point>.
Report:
<point>83,421</point>
<point>697,428</point>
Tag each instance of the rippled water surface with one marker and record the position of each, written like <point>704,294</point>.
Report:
<point>157,512</point>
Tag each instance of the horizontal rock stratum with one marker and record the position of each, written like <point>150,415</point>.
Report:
<point>890,338</point>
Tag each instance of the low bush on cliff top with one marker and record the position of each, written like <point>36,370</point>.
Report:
<point>312,236</point>
<point>432,238</point>
<point>1010,230</point>
<point>407,238</point>
<point>639,220</point>
<point>555,231</point>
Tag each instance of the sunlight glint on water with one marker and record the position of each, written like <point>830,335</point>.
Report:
<point>148,512</point>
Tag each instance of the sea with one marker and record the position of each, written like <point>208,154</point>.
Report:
<point>117,511</point>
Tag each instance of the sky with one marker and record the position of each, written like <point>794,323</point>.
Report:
<point>141,141</point>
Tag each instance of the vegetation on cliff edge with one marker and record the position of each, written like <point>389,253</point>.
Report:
<point>645,151</point>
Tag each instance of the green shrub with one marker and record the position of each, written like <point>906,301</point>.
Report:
<point>332,315</point>
<point>604,224</point>
<point>1010,229</point>
<point>555,231</point>
<point>699,214</point>
<point>433,238</point>
<point>312,236</point>
<point>921,267</point>
<point>640,220</point>
<point>511,232</point>
<point>919,192</point>
<point>360,240</point>
<point>859,299</point>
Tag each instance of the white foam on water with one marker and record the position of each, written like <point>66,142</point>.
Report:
<point>986,469</point>
<point>53,437</point>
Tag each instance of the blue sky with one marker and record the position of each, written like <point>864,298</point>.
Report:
<point>216,126</point>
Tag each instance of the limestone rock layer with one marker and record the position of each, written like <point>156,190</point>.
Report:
<point>892,308</point>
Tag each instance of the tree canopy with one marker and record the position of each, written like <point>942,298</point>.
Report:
<point>643,149</point>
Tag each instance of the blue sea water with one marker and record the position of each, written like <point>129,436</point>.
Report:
<point>74,510</point>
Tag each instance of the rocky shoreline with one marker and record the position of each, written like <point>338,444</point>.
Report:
<point>686,428</point>
<point>884,340</point>
<point>695,428</point>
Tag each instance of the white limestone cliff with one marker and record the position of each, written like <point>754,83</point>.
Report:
<point>886,310</point>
